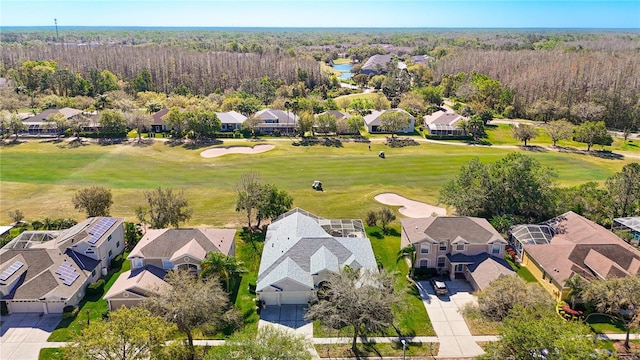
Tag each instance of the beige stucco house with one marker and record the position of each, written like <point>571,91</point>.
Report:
<point>462,247</point>
<point>576,246</point>
<point>162,250</point>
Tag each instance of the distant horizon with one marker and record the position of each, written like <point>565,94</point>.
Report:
<point>53,27</point>
<point>348,14</point>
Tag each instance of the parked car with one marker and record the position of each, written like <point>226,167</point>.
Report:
<point>439,287</point>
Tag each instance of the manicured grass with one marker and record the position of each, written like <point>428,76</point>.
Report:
<point>605,325</point>
<point>522,271</point>
<point>357,96</point>
<point>374,350</point>
<point>501,134</point>
<point>51,354</point>
<point>249,253</point>
<point>340,61</point>
<point>41,178</point>
<point>93,305</point>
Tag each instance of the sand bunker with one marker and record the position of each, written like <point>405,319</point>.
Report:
<point>236,150</point>
<point>410,208</point>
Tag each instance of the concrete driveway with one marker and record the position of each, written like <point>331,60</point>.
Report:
<point>23,335</point>
<point>448,323</point>
<point>289,318</point>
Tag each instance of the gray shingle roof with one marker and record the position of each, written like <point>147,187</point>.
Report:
<point>231,117</point>
<point>435,229</point>
<point>376,61</point>
<point>164,243</point>
<point>297,238</point>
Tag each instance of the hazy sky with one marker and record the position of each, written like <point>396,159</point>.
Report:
<point>325,13</point>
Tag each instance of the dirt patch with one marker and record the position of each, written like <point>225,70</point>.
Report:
<point>236,150</point>
<point>408,207</point>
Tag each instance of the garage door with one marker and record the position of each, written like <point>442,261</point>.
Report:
<point>26,307</point>
<point>269,298</point>
<point>294,297</point>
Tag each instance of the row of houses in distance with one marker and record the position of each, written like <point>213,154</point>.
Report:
<point>442,122</point>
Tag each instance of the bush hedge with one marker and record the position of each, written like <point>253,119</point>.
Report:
<point>447,137</point>
<point>96,288</point>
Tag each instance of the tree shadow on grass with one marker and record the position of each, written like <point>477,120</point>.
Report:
<point>603,154</point>
<point>193,145</point>
<point>376,234</point>
<point>533,148</point>
<point>390,232</point>
<point>13,142</point>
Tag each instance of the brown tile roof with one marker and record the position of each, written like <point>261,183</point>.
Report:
<point>582,247</point>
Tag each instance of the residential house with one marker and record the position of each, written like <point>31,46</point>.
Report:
<point>580,247</point>
<point>302,250</point>
<point>273,121</point>
<point>157,123</point>
<point>162,250</point>
<point>421,59</point>
<point>44,271</point>
<point>630,225</point>
<point>444,123</point>
<point>375,65</point>
<point>40,125</point>
<point>463,247</point>
<point>231,120</point>
<point>340,117</point>
<point>372,121</point>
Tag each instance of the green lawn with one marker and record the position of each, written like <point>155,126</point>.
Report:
<point>94,306</point>
<point>501,134</point>
<point>522,271</point>
<point>51,354</point>
<point>41,178</point>
<point>373,350</point>
<point>605,325</point>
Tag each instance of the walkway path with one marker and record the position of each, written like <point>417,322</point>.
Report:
<point>447,321</point>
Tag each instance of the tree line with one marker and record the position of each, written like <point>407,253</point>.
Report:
<point>517,189</point>
<point>161,68</point>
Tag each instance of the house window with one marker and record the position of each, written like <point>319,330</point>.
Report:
<point>118,244</point>
<point>109,238</point>
<point>424,249</point>
<point>495,248</point>
<point>443,246</point>
<point>458,268</point>
<point>441,261</point>
<point>136,263</point>
<point>459,247</point>
<point>110,253</point>
<point>424,263</point>
<point>167,264</point>
<point>93,273</point>
<point>89,251</point>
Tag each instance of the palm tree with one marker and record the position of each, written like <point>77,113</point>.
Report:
<point>222,265</point>
<point>408,252</point>
<point>575,285</point>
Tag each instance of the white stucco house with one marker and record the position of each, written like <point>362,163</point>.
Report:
<point>302,250</point>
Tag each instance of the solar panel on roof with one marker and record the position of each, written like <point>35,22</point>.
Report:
<point>100,228</point>
<point>67,273</point>
<point>11,270</point>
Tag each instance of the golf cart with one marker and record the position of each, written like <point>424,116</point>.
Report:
<point>381,154</point>
<point>317,185</point>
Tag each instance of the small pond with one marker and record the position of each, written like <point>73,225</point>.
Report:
<point>345,70</point>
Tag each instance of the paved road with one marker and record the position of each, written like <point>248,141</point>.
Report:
<point>448,323</point>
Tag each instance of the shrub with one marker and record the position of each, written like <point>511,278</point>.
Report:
<point>70,314</point>
<point>96,288</point>
<point>424,273</point>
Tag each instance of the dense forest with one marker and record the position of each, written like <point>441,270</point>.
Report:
<point>543,74</point>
